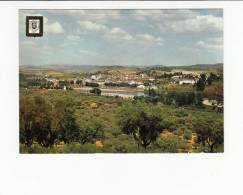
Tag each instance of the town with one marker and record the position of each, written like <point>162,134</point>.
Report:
<point>125,84</point>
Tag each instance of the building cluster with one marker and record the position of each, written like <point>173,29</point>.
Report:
<point>135,80</point>
<point>118,79</point>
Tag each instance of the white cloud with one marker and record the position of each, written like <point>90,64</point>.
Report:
<point>211,43</point>
<point>54,28</point>
<point>91,15</point>
<point>207,23</point>
<point>117,34</point>
<point>181,21</point>
<point>162,15</point>
<point>92,26</point>
<point>148,39</point>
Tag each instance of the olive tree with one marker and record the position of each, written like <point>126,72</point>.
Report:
<point>64,121</point>
<point>91,133</point>
<point>209,133</point>
<point>26,121</point>
<point>142,121</point>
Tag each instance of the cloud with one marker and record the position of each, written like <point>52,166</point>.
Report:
<point>117,34</point>
<point>92,26</point>
<point>181,21</point>
<point>53,28</point>
<point>94,15</point>
<point>148,39</point>
<point>211,43</point>
<point>162,15</point>
<point>207,23</point>
<point>105,36</point>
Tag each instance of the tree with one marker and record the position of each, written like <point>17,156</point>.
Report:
<point>215,92</point>
<point>26,121</point>
<point>36,122</point>
<point>42,123</point>
<point>91,84</point>
<point>151,92</point>
<point>65,121</point>
<point>201,83</point>
<point>209,133</point>
<point>212,77</point>
<point>79,82</point>
<point>142,121</point>
<point>198,98</point>
<point>90,134</point>
<point>45,122</point>
<point>96,91</point>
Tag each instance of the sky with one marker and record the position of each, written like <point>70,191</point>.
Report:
<point>124,37</point>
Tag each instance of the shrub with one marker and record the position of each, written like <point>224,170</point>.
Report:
<point>172,144</point>
<point>96,91</point>
<point>187,135</point>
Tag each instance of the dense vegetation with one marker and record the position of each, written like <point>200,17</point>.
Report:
<point>69,122</point>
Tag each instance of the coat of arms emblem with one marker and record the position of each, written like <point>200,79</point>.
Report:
<point>34,26</point>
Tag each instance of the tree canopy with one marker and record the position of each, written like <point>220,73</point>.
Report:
<point>210,133</point>
<point>141,121</point>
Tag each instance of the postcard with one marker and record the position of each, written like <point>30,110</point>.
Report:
<point>121,81</point>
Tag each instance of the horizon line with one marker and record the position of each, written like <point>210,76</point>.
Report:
<point>119,64</point>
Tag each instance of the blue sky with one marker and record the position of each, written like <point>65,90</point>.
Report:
<point>124,37</point>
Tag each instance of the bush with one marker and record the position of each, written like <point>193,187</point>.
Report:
<point>120,144</point>
<point>91,84</point>
<point>187,135</point>
<point>172,144</point>
<point>96,91</point>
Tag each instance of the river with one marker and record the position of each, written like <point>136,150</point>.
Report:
<point>114,92</point>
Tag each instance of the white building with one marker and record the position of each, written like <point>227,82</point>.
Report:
<point>93,77</point>
<point>176,77</point>
<point>141,86</point>
<point>187,81</point>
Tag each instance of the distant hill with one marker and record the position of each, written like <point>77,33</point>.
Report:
<point>202,66</point>
<point>95,68</point>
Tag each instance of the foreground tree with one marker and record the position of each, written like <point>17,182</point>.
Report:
<point>142,121</point>
<point>35,122</point>
<point>43,132</point>
<point>26,121</point>
<point>209,133</point>
<point>44,122</point>
<point>64,121</point>
<point>91,134</point>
